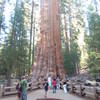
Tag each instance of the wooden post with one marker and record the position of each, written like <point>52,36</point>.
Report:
<point>1,90</point>
<point>82,90</point>
<point>95,94</point>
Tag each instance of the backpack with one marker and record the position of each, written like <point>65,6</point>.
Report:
<point>20,89</point>
<point>17,86</point>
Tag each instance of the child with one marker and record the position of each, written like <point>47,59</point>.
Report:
<point>46,88</point>
<point>54,85</point>
<point>58,82</point>
<point>49,81</point>
<point>65,87</point>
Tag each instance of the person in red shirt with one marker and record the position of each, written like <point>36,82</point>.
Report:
<point>54,85</point>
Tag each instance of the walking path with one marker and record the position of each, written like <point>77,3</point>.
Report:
<point>40,94</point>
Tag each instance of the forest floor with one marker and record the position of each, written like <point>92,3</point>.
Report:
<point>36,95</point>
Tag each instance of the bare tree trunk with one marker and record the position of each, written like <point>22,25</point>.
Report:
<point>9,76</point>
<point>33,50</point>
<point>66,35</point>
<point>48,58</point>
<point>31,30</point>
<point>2,4</point>
<point>70,20</point>
<point>96,7</point>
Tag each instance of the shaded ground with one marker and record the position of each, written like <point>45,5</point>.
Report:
<point>38,94</point>
<point>48,99</point>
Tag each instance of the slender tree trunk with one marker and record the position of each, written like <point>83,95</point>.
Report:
<point>9,79</point>
<point>64,24</point>
<point>66,35</point>
<point>0,24</point>
<point>0,29</point>
<point>70,20</point>
<point>9,76</point>
<point>33,43</point>
<point>95,3</point>
<point>31,30</point>
<point>2,4</point>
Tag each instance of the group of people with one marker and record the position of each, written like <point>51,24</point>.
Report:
<point>22,89</point>
<point>49,83</point>
<point>54,84</point>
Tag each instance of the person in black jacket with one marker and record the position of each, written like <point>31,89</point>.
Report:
<point>18,88</point>
<point>46,87</point>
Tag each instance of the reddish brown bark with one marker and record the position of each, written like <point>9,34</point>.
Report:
<point>48,56</point>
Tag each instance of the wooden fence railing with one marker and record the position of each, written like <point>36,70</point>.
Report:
<point>12,90</point>
<point>85,91</point>
<point>77,88</point>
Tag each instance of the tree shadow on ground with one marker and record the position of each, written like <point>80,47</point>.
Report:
<point>48,99</point>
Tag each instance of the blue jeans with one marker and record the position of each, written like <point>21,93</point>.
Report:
<point>54,89</point>
<point>24,95</point>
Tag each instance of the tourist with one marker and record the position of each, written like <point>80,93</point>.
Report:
<point>18,88</point>
<point>46,88</point>
<point>54,85</point>
<point>65,87</point>
<point>49,81</point>
<point>58,82</point>
<point>24,88</point>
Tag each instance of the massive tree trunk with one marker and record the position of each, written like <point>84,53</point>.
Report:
<point>48,56</point>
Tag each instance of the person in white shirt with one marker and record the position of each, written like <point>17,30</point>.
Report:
<point>58,82</point>
<point>65,87</point>
<point>49,81</point>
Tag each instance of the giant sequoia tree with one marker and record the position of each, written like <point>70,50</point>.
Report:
<point>17,49</point>
<point>48,57</point>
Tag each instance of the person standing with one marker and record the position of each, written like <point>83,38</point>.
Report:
<point>65,87</point>
<point>49,81</point>
<point>18,88</point>
<point>58,82</point>
<point>54,85</point>
<point>24,88</point>
<point>46,88</point>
